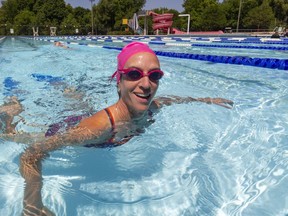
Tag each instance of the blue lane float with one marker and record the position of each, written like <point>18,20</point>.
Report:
<point>10,85</point>
<point>248,41</point>
<point>174,41</point>
<point>240,47</point>
<point>157,42</point>
<point>281,64</point>
<point>272,63</point>
<point>47,78</point>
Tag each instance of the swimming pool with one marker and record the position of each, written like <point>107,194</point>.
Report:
<point>195,159</point>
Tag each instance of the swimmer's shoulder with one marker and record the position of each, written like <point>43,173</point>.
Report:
<point>98,121</point>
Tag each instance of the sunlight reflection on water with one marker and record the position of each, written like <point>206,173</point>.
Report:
<point>195,159</point>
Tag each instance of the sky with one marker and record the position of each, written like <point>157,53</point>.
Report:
<point>150,4</point>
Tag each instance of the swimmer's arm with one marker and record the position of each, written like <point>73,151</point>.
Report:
<point>31,166</point>
<point>94,128</point>
<point>169,100</point>
<point>23,137</point>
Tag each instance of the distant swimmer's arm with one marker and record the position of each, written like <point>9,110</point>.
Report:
<point>169,100</point>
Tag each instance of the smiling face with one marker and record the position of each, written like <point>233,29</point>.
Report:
<point>138,95</point>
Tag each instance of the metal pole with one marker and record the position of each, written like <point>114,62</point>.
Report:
<point>92,18</point>
<point>188,24</point>
<point>188,28</point>
<point>239,13</point>
<point>145,24</point>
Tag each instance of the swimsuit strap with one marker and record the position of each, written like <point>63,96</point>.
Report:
<point>112,121</point>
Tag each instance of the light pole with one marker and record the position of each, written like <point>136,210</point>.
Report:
<point>239,13</point>
<point>92,18</point>
<point>188,24</point>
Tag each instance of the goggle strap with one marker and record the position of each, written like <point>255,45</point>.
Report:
<point>114,75</point>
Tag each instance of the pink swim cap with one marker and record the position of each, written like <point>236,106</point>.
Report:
<point>128,51</point>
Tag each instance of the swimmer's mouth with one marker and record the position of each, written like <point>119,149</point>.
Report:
<point>144,96</point>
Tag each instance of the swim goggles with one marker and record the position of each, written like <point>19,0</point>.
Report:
<point>135,74</point>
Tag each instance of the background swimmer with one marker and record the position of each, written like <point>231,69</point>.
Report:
<point>59,44</point>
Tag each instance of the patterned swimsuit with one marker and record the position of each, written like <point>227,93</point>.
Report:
<point>72,121</point>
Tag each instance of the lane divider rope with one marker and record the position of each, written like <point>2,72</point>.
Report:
<point>272,63</point>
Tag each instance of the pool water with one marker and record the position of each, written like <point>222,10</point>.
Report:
<point>195,159</point>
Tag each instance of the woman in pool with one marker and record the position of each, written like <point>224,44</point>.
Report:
<point>138,74</point>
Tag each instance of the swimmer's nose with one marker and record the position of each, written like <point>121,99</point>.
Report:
<point>145,82</point>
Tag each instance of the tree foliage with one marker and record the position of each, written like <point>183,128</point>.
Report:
<point>109,13</point>
<point>23,19</point>
<point>206,15</point>
<point>215,18</point>
<point>259,17</point>
<point>196,9</point>
<point>280,10</point>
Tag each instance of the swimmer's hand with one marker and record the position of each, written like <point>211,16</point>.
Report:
<point>30,169</point>
<point>47,212</point>
<point>218,101</point>
<point>31,210</point>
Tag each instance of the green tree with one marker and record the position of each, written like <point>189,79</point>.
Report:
<point>104,17</point>
<point>215,18</point>
<point>3,23</point>
<point>109,13</point>
<point>25,5</point>
<point>10,10</point>
<point>231,9</point>
<point>23,22</point>
<point>196,9</point>
<point>69,25</point>
<point>260,17</point>
<point>41,23</point>
<point>280,9</point>
<point>83,17</point>
<point>55,11</point>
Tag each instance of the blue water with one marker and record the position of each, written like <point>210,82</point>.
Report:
<point>196,159</point>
